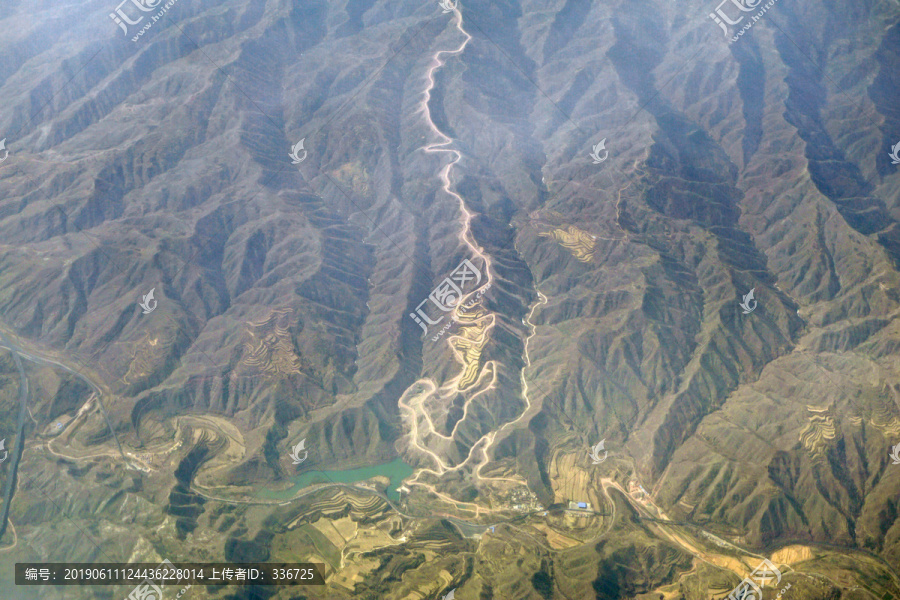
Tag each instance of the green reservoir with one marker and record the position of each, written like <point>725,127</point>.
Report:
<point>396,471</point>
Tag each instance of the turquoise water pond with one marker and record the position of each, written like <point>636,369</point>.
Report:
<point>396,471</point>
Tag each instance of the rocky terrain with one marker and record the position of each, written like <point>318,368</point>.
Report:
<point>601,299</point>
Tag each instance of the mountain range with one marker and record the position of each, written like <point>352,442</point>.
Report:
<point>513,229</point>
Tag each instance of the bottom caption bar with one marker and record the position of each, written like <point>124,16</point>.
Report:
<point>168,573</point>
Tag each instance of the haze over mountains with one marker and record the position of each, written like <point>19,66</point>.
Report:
<point>606,304</point>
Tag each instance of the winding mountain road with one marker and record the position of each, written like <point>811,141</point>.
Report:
<point>9,485</point>
<point>413,401</point>
<point>18,449</point>
<point>18,352</point>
